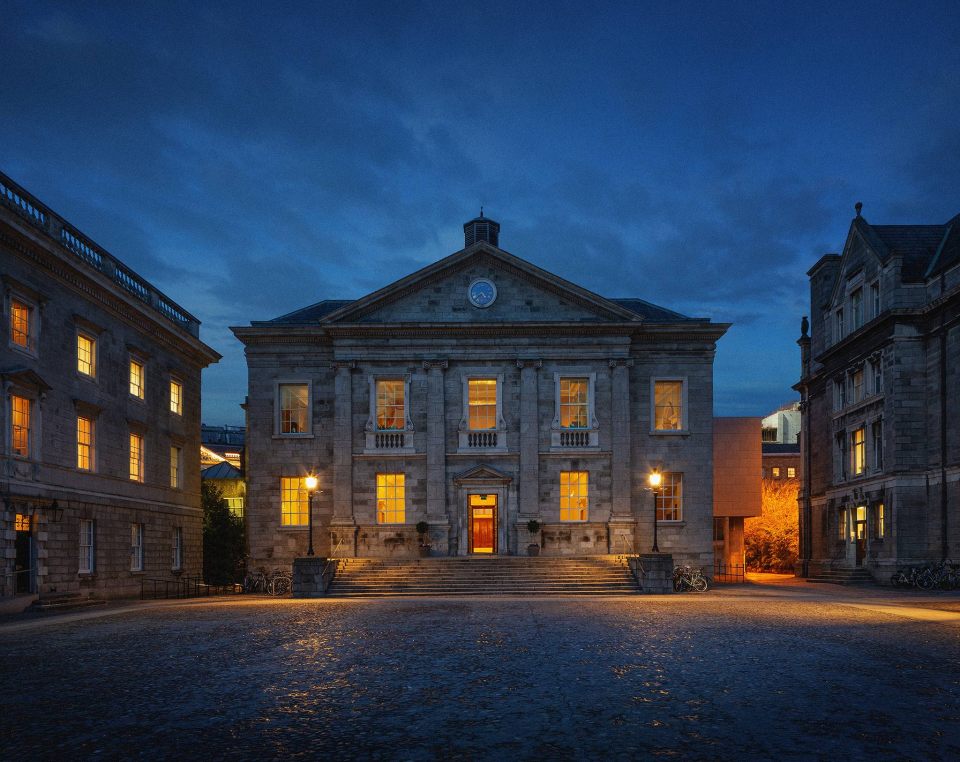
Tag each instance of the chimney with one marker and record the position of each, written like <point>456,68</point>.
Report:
<point>481,229</point>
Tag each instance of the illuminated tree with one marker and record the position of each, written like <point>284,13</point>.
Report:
<point>223,539</point>
<point>770,540</point>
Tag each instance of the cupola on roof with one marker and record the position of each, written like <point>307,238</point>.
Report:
<point>481,229</point>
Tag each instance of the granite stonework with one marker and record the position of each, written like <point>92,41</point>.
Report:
<point>883,356</point>
<point>424,330</point>
<point>71,285</point>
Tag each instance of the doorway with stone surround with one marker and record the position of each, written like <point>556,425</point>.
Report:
<point>482,524</point>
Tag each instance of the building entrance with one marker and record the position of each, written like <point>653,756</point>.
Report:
<point>860,534</point>
<point>23,564</point>
<point>483,524</point>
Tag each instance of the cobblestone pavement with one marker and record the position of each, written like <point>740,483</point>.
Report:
<point>754,672</point>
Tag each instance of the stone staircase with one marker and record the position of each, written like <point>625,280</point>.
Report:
<point>64,602</point>
<point>843,577</point>
<point>496,575</point>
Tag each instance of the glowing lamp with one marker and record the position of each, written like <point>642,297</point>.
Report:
<point>311,482</point>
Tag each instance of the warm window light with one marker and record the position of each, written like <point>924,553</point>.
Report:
<point>655,478</point>
<point>311,482</point>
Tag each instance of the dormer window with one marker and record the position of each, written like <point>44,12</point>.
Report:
<point>856,308</point>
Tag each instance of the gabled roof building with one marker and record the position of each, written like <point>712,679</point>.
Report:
<point>880,392</point>
<point>475,395</point>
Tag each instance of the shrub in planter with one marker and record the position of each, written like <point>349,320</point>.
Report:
<point>533,527</point>
<point>423,529</point>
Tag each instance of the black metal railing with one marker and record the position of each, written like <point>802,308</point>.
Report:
<point>730,574</point>
<point>183,587</point>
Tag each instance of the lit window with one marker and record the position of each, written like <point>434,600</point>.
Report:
<point>136,457</point>
<point>391,499</point>
<point>177,559</point>
<point>136,378</point>
<point>235,504</point>
<point>84,443</point>
<point>86,355</point>
<point>482,403</point>
<point>19,323</point>
<point>20,431</point>
<point>136,547</point>
<point>877,430</point>
<point>391,411</point>
<point>881,521</point>
<point>175,475</point>
<point>776,472</point>
<point>856,304</point>
<point>176,397</point>
<point>574,410</point>
<point>87,537</point>
<point>21,523</point>
<point>858,451</point>
<point>574,495</point>
<point>668,405</point>
<point>294,404</point>
<point>791,472</point>
<point>294,501</point>
<point>670,498</point>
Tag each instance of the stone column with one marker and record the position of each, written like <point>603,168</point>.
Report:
<point>621,456</point>
<point>436,443</point>
<point>529,439</point>
<point>343,444</point>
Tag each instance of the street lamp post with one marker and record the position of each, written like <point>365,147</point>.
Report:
<point>655,479</point>
<point>311,484</point>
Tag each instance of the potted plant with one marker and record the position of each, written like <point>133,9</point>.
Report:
<point>423,530</point>
<point>533,527</point>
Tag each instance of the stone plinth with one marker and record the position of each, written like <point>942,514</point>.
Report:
<point>308,579</point>
<point>657,575</point>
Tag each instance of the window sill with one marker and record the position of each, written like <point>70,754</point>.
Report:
<point>292,436</point>
<point>668,523</point>
<point>137,572</point>
<point>669,432</point>
<point>293,528</point>
<point>86,575</point>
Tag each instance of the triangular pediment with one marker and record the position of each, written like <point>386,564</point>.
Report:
<point>482,474</point>
<point>440,293</point>
<point>862,245</point>
<point>25,377</point>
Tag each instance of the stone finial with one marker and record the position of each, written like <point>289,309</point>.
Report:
<point>859,207</point>
<point>804,327</point>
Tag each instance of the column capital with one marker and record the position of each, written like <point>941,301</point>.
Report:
<point>621,363</point>
<point>344,365</point>
<point>436,364</point>
<point>529,364</point>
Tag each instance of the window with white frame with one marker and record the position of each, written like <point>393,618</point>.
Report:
<point>21,315</point>
<point>87,546</point>
<point>21,417</point>
<point>137,378</point>
<point>856,383</point>
<point>293,401</point>
<point>391,499</point>
<point>574,495</point>
<point>85,433</point>
<point>294,501</point>
<point>235,504</point>
<point>136,457</point>
<point>482,404</point>
<point>574,394</point>
<point>136,547</point>
<point>177,549</point>
<point>86,355</point>
<point>858,451</point>
<point>176,467</point>
<point>670,497</point>
<point>176,397</point>
<point>391,404</point>
<point>668,404</point>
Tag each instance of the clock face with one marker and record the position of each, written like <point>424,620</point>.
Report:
<point>482,293</point>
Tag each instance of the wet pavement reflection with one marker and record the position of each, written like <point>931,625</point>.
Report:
<point>718,677</point>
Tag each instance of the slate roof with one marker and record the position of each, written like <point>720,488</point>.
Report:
<point>926,249</point>
<point>221,471</point>
<point>651,312</point>
<point>313,313</point>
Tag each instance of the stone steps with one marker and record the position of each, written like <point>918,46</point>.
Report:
<point>511,575</point>
<point>842,577</point>
<point>64,602</point>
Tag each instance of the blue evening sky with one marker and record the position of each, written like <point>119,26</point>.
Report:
<point>253,158</point>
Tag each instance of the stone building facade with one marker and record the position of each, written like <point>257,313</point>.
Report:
<point>736,487</point>
<point>100,419</point>
<point>476,395</point>
<point>880,397</point>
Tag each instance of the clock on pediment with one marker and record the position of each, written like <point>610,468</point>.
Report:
<point>482,292</point>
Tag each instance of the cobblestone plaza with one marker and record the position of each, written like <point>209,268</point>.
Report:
<point>741,673</point>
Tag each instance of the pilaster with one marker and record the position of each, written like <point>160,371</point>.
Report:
<point>436,442</point>
<point>529,439</point>
<point>620,450</point>
<point>343,443</point>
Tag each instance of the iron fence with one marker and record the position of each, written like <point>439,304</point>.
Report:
<point>731,574</point>
<point>183,587</point>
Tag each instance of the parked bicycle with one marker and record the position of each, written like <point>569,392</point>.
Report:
<point>943,575</point>
<point>690,578</point>
<point>278,582</point>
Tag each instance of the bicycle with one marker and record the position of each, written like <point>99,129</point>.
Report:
<point>255,582</point>
<point>280,582</point>
<point>690,578</point>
